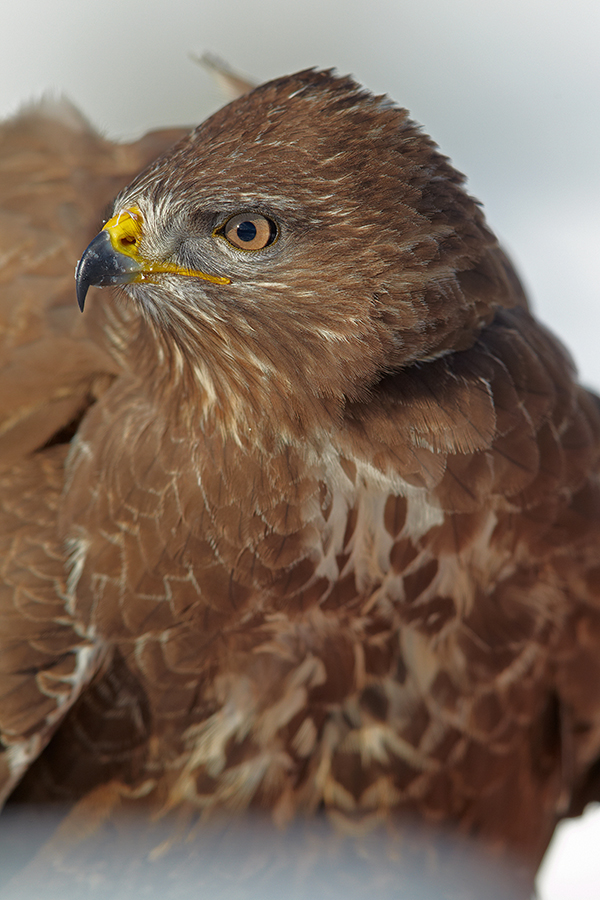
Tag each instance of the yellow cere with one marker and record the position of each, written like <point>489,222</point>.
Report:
<point>125,231</point>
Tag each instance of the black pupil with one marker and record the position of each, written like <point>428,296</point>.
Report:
<point>246,231</point>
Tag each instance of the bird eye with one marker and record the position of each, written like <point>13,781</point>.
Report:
<point>249,231</point>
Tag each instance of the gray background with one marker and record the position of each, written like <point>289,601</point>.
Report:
<point>510,90</point>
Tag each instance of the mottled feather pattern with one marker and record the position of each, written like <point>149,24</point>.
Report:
<point>44,660</point>
<point>331,530</point>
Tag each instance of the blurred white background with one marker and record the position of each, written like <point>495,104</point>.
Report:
<point>510,91</point>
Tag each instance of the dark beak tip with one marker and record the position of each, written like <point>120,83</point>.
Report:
<point>81,286</point>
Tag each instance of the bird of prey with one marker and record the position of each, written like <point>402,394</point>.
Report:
<point>304,514</point>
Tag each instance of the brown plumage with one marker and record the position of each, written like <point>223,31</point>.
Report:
<point>327,534</point>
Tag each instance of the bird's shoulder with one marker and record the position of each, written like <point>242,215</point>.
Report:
<point>56,178</point>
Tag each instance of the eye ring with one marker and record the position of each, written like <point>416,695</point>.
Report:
<point>249,231</point>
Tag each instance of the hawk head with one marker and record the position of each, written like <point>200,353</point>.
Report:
<point>303,242</point>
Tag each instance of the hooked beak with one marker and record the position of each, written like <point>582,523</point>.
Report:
<point>101,265</point>
<point>113,257</point>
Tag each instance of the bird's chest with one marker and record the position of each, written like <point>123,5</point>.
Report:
<point>167,536</point>
<point>288,614</point>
